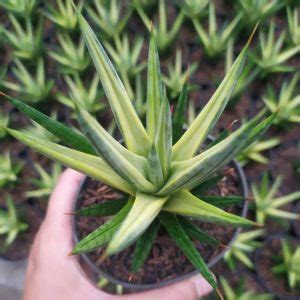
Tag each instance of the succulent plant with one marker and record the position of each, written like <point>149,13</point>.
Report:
<point>253,152</point>
<point>140,104</point>
<point>247,76</point>
<point>241,294</point>
<point>213,40</point>
<point>293,17</point>
<point>290,264</point>
<point>287,103</point>
<point>193,8</point>
<point>125,59</point>
<point>27,42</point>
<point>157,175</point>
<point>46,183</point>
<point>88,98</point>
<point>257,10</point>
<point>268,205</point>
<point>8,170</point>
<point>165,36</point>
<point>31,89</point>
<point>176,77</point>
<point>4,122</point>
<point>245,243</point>
<point>63,15</point>
<point>10,225</point>
<point>71,57</point>
<point>22,8</point>
<point>272,57</point>
<point>107,15</point>
<point>40,132</point>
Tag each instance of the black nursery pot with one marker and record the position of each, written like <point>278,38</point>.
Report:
<point>95,272</point>
<point>264,261</point>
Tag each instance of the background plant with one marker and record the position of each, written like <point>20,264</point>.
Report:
<point>287,102</point>
<point>267,204</point>
<point>290,265</point>
<point>165,36</point>
<point>8,169</point>
<point>177,76</point>
<point>10,225</point>
<point>214,41</point>
<point>32,89</point>
<point>46,182</point>
<point>87,97</point>
<point>27,42</point>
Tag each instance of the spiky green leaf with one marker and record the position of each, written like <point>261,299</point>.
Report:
<point>145,209</point>
<point>130,125</point>
<point>192,139</point>
<point>144,245</point>
<point>186,204</point>
<point>173,227</point>
<point>104,233</point>
<point>67,135</point>
<point>90,165</point>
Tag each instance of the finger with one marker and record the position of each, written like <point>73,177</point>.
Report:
<point>190,289</point>
<point>65,193</point>
<point>62,200</point>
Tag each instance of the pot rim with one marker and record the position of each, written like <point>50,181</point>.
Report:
<point>261,278</point>
<point>212,262</point>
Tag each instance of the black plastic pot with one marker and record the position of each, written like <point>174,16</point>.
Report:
<point>272,286</point>
<point>97,272</point>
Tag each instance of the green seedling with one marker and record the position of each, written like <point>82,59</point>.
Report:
<point>126,59</point>
<point>254,151</point>
<point>20,8</point>
<point>213,40</point>
<point>64,15</point>
<point>46,182</point>
<point>290,265</point>
<point>267,204</point>
<point>89,98</point>
<point>27,42</point>
<point>287,102</point>
<point>165,37</point>
<point>272,57</point>
<point>32,89</point>
<point>257,10</point>
<point>177,77</point>
<point>241,293</point>
<point>72,57</point>
<point>245,244</point>
<point>10,224</point>
<point>108,17</point>
<point>8,170</point>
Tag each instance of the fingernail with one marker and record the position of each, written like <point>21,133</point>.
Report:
<point>202,286</point>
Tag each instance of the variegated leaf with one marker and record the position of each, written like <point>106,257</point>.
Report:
<point>145,209</point>
<point>154,88</point>
<point>131,127</point>
<point>186,204</point>
<point>118,157</point>
<point>192,139</point>
<point>88,164</point>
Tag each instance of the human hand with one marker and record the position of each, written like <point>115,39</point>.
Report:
<point>52,274</point>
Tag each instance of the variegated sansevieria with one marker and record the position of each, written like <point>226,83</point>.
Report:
<point>157,174</point>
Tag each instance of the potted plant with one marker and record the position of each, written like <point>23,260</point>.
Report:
<point>158,169</point>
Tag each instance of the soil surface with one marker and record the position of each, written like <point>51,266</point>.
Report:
<point>166,261</point>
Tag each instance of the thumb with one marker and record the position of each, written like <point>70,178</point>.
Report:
<point>190,289</point>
